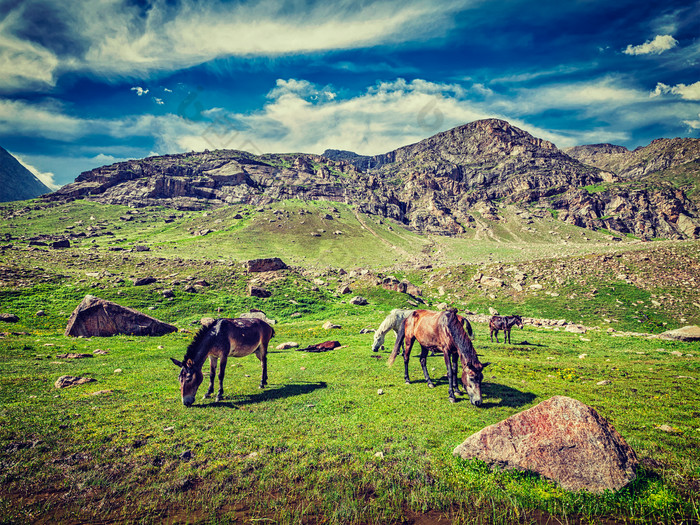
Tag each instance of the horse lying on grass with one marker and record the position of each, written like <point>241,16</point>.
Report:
<point>444,332</point>
<point>505,323</point>
<point>395,320</point>
<point>222,339</point>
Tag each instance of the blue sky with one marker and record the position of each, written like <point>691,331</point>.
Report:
<point>88,83</point>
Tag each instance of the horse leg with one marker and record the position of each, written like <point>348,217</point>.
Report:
<point>450,377</point>
<point>407,345</point>
<point>455,373</point>
<point>261,353</point>
<point>212,376</point>
<point>496,336</point>
<point>424,365</point>
<point>222,370</point>
<point>506,332</point>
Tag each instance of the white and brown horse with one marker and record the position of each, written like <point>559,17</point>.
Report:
<point>222,339</point>
<point>444,332</point>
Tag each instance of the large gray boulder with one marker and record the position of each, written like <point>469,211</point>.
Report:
<point>95,317</point>
<point>266,265</point>
<point>687,333</point>
<point>561,439</point>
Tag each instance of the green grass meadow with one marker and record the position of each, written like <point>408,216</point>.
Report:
<point>336,437</point>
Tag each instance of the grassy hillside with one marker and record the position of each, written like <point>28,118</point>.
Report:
<point>321,444</point>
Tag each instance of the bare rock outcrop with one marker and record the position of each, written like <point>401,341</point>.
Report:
<point>95,317</point>
<point>560,439</point>
<point>687,333</point>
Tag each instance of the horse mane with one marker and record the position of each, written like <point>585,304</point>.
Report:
<point>449,321</point>
<point>199,337</point>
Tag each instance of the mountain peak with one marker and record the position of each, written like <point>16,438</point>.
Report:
<point>17,183</point>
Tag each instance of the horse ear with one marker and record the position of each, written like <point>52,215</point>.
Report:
<point>176,362</point>
<point>485,365</point>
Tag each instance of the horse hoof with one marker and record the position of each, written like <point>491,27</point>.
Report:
<point>430,385</point>
<point>453,400</point>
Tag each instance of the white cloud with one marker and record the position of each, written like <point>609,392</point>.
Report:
<point>139,90</point>
<point>46,177</point>
<point>686,92</point>
<point>158,101</point>
<point>658,45</point>
<point>120,38</point>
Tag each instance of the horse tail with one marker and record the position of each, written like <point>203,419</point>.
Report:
<point>400,334</point>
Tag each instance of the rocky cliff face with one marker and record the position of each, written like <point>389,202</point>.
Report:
<point>436,185</point>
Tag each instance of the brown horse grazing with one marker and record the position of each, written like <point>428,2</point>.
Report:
<point>444,332</point>
<point>221,339</point>
<point>505,323</point>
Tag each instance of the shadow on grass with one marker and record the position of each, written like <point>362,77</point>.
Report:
<point>267,394</point>
<point>509,397</point>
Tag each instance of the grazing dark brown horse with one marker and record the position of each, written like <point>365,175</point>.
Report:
<point>442,331</point>
<point>222,339</point>
<point>505,323</point>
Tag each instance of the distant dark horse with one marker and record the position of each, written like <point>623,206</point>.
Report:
<point>221,339</point>
<point>505,323</point>
<point>442,331</point>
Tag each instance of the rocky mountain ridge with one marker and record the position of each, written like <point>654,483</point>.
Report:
<point>445,184</point>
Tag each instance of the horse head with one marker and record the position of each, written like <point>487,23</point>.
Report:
<point>518,321</point>
<point>472,375</point>
<point>190,379</point>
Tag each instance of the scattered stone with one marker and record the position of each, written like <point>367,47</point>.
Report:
<point>343,290</point>
<point>288,345</point>
<point>57,245</point>
<point>687,333</point>
<point>320,347</point>
<point>493,311</point>
<point>186,455</point>
<point>101,392</point>
<point>67,381</point>
<point>168,293</point>
<point>9,318</point>
<point>329,325</point>
<point>379,455</point>
<point>266,265</point>
<point>442,306</point>
<point>603,382</point>
<point>257,291</point>
<point>95,317</point>
<point>258,314</point>
<point>367,331</point>
<point>575,328</point>
<point>118,370</point>
<point>73,356</point>
<point>582,356</point>
<point>380,392</point>
<point>677,353</point>
<point>666,428</point>
<point>40,313</point>
<point>143,281</point>
<point>560,439</point>
<point>358,300</point>
<point>100,352</point>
